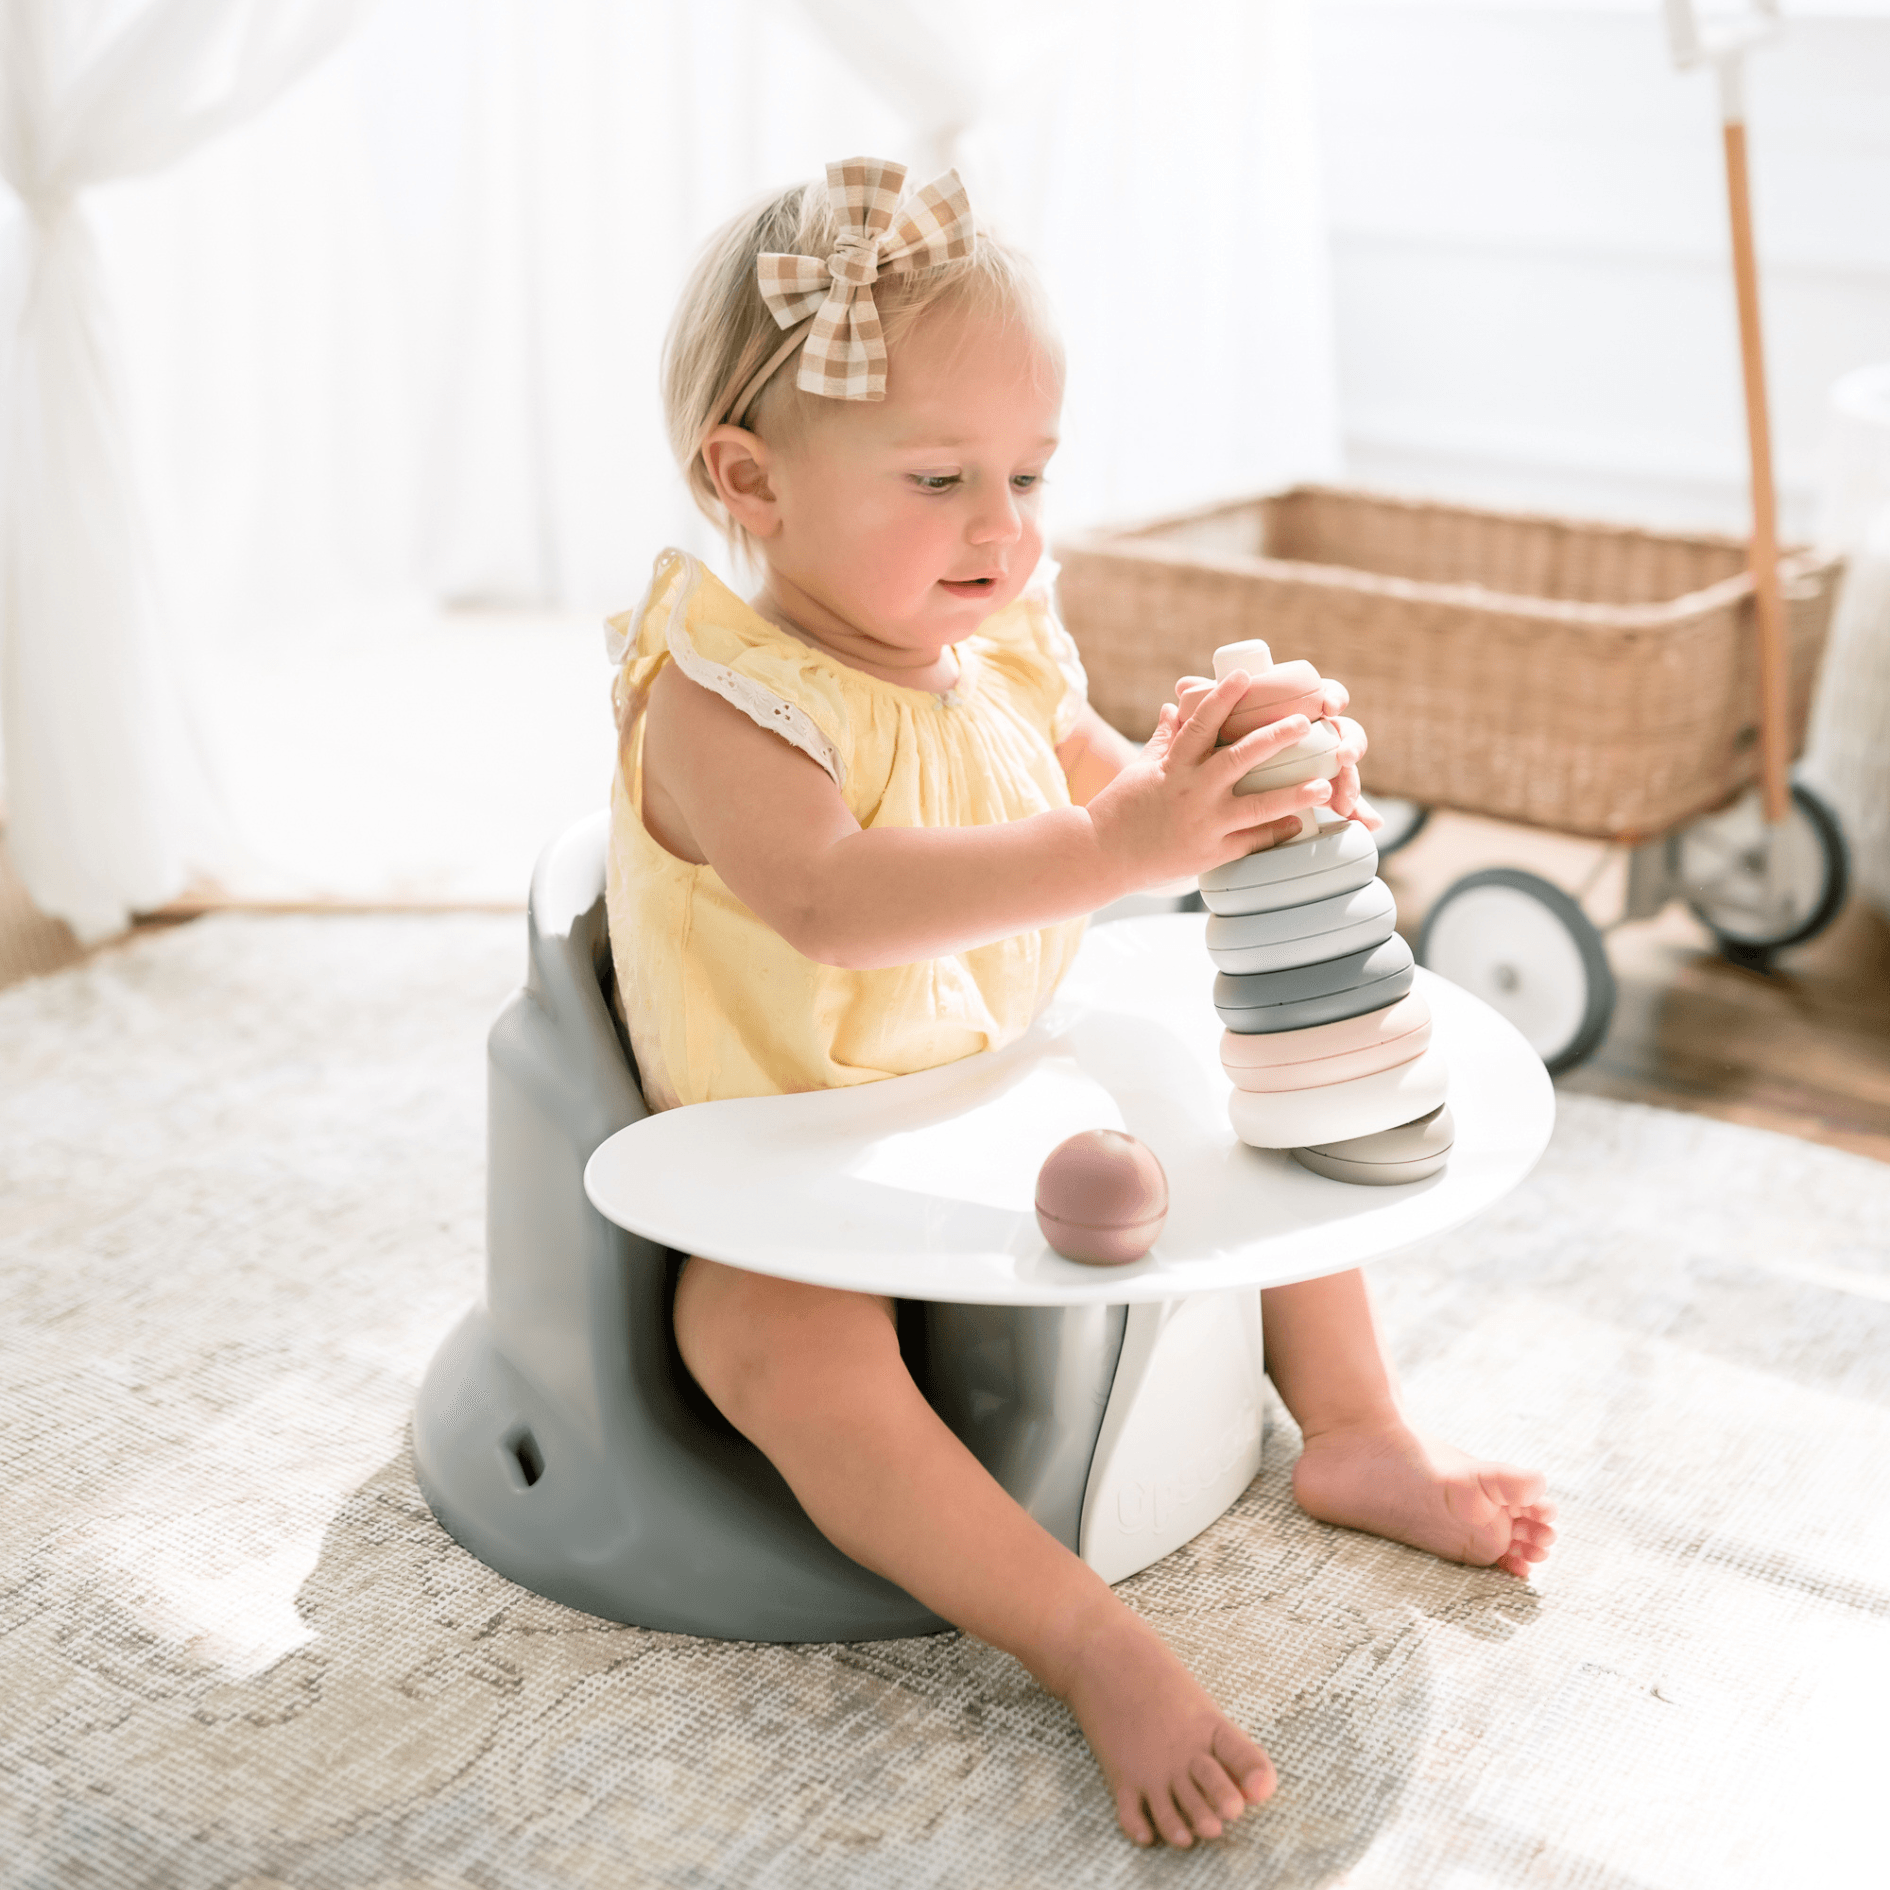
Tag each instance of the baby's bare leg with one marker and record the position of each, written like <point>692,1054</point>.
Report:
<point>1363,1465</point>
<point>814,1379</point>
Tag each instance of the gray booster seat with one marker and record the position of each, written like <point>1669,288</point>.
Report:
<point>559,1437</point>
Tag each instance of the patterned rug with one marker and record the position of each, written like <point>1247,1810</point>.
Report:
<point>240,1205</point>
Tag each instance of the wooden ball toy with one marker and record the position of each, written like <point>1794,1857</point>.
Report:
<point>1413,1151</point>
<point>1316,994</point>
<point>1340,1112</point>
<point>1102,1198</point>
<point>1304,935</point>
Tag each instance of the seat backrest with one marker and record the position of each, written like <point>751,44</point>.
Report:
<point>559,1083</point>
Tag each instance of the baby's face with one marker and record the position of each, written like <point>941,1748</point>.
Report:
<point>912,519</point>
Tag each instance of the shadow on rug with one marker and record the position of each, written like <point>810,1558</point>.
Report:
<point>242,1204</point>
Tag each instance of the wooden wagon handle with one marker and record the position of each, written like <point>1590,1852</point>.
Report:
<point>1774,683</point>
<point>1723,42</point>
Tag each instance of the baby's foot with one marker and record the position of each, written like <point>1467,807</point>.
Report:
<point>1388,1480</point>
<point>1176,1765</point>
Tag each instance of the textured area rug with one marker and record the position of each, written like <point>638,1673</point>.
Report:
<point>241,1204</point>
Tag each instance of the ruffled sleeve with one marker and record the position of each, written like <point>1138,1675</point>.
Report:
<point>721,644</point>
<point>1028,641</point>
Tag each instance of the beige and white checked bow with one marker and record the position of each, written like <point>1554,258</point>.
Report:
<point>845,355</point>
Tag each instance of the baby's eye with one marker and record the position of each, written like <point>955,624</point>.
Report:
<point>935,482</point>
<point>1025,481</point>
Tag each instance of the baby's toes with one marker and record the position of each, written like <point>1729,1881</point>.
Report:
<point>1533,1534</point>
<point>1132,1817</point>
<point>1203,1819</point>
<point>1216,1787</point>
<point>1244,1763</point>
<point>1168,1820</point>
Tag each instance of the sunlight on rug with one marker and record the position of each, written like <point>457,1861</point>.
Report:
<point>241,1205</point>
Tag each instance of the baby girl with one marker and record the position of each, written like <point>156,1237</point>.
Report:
<point>857,825</point>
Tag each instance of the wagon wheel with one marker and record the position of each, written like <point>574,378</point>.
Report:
<point>1529,951</point>
<point>1404,821</point>
<point>1757,888</point>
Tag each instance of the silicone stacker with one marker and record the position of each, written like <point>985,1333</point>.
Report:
<point>1317,1072</point>
<point>1253,656</point>
<point>1243,721</point>
<point>1337,857</point>
<point>1312,758</point>
<point>1339,1112</point>
<point>1267,1050</point>
<point>1304,935</point>
<point>1316,994</point>
<point>1414,1151</point>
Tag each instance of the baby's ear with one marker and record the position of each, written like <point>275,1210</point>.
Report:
<point>737,463</point>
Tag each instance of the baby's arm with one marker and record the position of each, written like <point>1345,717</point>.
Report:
<point>1092,755</point>
<point>720,789</point>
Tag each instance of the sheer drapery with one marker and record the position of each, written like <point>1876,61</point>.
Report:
<point>946,71</point>
<point>413,352</point>
<point>107,799</point>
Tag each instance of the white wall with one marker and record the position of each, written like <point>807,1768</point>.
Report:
<point>1531,271</point>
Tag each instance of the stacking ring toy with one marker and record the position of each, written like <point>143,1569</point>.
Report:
<point>1341,1112</point>
<point>1304,935</point>
<point>1316,994</point>
<point>1414,1151</point>
<point>1336,858</point>
<point>1311,758</point>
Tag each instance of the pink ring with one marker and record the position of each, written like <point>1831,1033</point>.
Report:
<point>1268,1050</point>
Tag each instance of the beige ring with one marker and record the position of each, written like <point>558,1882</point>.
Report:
<point>1431,1135</point>
<point>1312,758</point>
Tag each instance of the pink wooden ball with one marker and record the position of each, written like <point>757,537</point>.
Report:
<point>1101,1198</point>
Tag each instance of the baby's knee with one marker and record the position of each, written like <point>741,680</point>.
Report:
<point>763,1348</point>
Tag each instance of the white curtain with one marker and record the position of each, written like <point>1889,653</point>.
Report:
<point>946,72</point>
<point>412,358</point>
<point>108,803</point>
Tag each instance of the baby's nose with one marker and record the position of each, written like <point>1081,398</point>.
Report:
<point>997,522</point>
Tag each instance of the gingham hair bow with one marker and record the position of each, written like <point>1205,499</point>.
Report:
<point>845,355</point>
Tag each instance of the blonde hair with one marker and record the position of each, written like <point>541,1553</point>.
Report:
<point>723,332</point>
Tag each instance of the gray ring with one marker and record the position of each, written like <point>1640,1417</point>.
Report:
<point>1315,994</point>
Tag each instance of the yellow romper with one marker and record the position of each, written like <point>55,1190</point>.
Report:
<point>717,1003</point>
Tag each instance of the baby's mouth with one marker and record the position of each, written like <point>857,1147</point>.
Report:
<point>968,587</point>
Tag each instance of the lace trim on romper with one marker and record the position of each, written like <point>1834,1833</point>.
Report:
<point>761,705</point>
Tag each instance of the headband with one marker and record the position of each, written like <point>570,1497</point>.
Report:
<point>829,305</point>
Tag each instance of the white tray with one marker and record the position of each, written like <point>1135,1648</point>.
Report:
<point>922,1186</point>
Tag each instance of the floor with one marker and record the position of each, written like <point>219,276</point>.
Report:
<point>1803,1049</point>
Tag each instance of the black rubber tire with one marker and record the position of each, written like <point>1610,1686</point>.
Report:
<point>1828,831</point>
<point>1598,998</point>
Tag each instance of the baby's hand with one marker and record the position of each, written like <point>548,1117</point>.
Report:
<point>1347,800</point>
<point>1173,812</point>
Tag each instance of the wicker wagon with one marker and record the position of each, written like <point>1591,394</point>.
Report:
<point>1598,680</point>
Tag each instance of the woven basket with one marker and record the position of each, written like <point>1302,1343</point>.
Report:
<point>1595,679</point>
